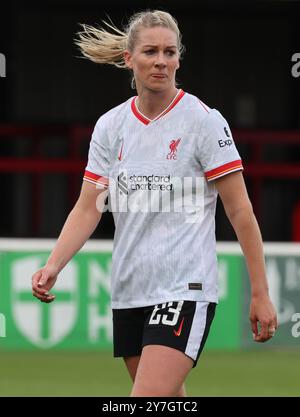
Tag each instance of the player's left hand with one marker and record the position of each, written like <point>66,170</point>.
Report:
<point>263,318</point>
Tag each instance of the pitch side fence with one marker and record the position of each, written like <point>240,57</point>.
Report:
<point>80,318</point>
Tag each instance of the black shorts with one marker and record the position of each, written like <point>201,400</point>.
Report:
<point>182,325</point>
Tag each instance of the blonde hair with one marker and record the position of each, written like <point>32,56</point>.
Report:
<point>107,47</point>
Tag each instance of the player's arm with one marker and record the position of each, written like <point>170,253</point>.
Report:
<point>238,208</point>
<point>79,226</point>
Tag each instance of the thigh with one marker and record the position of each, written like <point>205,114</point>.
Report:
<point>132,364</point>
<point>161,372</point>
<point>174,336</point>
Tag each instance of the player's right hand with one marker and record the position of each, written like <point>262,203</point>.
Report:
<point>42,281</point>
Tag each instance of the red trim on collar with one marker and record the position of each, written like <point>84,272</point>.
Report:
<point>146,121</point>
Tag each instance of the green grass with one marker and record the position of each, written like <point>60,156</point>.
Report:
<point>252,373</point>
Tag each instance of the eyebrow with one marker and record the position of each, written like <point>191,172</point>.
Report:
<point>155,46</point>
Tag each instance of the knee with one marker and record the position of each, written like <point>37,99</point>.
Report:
<point>156,391</point>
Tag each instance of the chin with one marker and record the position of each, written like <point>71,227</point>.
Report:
<point>158,87</point>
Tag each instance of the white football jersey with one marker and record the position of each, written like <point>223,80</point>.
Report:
<point>161,191</point>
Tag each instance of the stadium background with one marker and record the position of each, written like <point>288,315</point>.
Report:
<point>239,60</point>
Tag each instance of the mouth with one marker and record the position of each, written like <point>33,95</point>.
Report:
<point>159,76</point>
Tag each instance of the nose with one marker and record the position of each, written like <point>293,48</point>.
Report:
<point>160,60</point>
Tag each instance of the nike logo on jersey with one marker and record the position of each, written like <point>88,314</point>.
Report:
<point>178,332</point>
<point>120,153</point>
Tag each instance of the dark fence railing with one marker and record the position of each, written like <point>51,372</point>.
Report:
<point>38,163</point>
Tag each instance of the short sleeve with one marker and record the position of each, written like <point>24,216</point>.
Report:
<point>216,148</point>
<point>97,169</point>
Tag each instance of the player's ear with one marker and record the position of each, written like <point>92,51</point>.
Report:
<point>128,59</point>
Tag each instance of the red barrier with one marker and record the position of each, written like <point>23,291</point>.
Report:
<point>255,167</point>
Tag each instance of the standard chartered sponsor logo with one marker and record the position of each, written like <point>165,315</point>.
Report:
<point>156,193</point>
<point>122,183</point>
<point>150,182</point>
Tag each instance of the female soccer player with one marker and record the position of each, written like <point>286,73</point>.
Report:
<point>164,156</point>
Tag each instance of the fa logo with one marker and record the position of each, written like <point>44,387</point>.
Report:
<point>44,325</point>
<point>173,149</point>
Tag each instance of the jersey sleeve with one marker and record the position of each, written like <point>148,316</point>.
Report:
<point>97,169</point>
<point>216,148</point>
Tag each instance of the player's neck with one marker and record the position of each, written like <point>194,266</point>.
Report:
<point>153,103</point>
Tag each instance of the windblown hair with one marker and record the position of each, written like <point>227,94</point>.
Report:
<point>107,47</point>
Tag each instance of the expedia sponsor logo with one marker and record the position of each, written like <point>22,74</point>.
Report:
<point>223,143</point>
<point>150,182</point>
